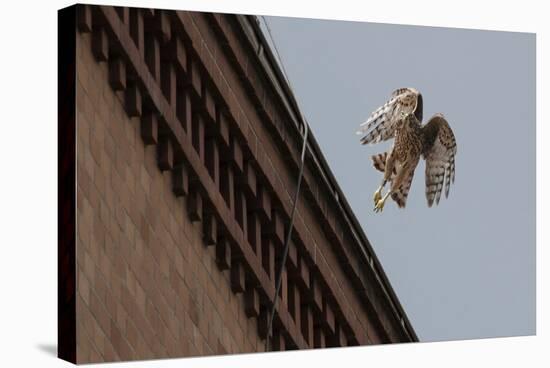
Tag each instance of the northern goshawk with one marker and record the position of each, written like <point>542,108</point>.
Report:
<point>400,118</point>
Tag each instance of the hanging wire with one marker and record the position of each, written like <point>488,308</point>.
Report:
<point>295,199</point>
<point>279,59</point>
<point>287,240</point>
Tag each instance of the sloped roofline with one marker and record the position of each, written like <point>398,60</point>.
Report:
<point>252,29</point>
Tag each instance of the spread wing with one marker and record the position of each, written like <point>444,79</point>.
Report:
<point>439,150</point>
<point>380,126</point>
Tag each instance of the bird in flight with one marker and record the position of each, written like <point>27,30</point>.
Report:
<point>400,118</point>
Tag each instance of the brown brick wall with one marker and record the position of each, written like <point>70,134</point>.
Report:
<point>319,242</point>
<point>147,287</point>
<point>216,172</point>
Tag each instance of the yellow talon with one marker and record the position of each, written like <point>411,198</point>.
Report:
<point>379,206</point>
<point>380,203</point>
<point>377,195</point>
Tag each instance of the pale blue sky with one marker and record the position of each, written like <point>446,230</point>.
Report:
<point>466,268</point>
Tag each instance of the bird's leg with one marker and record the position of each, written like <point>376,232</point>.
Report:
<point>396,182</point>
<point>378,192</point>
<point>380,204</point>
<point>388,169</point>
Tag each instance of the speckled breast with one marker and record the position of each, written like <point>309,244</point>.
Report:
<point>408,142</point>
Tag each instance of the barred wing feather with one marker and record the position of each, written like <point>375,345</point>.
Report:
<point>381,124</point>
<point>439,150</point>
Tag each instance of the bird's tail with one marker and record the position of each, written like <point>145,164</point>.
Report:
<point>379,163</point>
<point>400,196</point>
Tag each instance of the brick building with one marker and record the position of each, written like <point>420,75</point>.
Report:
<point>184,141</point>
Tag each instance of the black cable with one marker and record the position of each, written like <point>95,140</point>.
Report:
<point>287,239</point>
